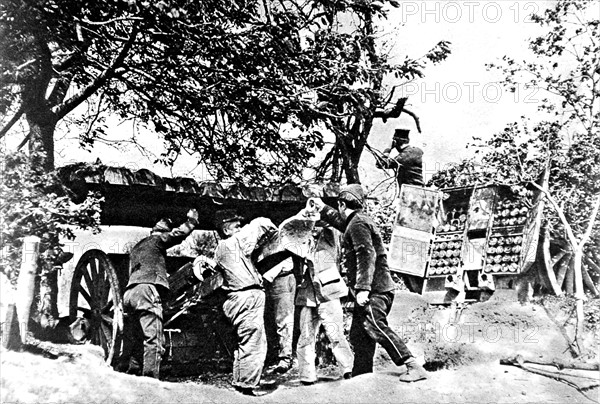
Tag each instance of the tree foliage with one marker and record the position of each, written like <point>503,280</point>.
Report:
<point>34,203</point>
<point>247,87</point>
<point>358,94</point>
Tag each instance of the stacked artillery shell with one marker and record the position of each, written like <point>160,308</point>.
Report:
<point>455,222</point>
<point>446,257</point>
<point>503,253</point>
<point>510,213</point>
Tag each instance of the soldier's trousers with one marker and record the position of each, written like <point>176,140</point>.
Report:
<point>143,334</point>
<point>245,310</point>
<point>330,315</point>
<point>369,327</point>
<point>282,293</point>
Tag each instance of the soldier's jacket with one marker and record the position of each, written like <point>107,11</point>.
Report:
<point>363,251</point>
<point>322,281</point>
<point>234,255</point>
<point>408,165</point>
<point>147,259</point>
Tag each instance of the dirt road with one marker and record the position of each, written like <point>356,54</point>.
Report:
<point>464,358</point>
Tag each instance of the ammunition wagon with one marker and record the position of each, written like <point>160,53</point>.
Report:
<point>461,244</point>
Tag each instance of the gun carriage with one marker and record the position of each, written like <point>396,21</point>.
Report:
<point>451,245</point>
<point>138,199</point>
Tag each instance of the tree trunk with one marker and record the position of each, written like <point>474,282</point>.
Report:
<point>353,157</point>
<point>570,279</point>
<point>42,123</point>
<point>579,295</point>
<point>353,137</point>
<point>562,270</point>
<point>40,118</point>
<point>48,306</point>
<point>41,138</point>
<point>545,261</point>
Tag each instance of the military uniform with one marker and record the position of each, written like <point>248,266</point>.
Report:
<point>147,287</point>
<point>366,264</point>
<point>245,302</point>
<point>319,298</point>
<point>408,165</point>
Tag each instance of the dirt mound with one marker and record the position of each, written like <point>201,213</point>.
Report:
<point>560,310</point>
<point>451,356</point>
<point>448,337</point>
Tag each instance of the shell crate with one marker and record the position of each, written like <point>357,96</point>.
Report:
<point>461,244</point>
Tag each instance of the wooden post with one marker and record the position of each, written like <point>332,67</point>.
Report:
<point>26,282</point>
<point>11,335</point>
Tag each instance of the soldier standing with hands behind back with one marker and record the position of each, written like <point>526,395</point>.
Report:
<point>369,276</point>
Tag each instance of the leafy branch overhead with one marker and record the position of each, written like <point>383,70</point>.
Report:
<point>247,87</point>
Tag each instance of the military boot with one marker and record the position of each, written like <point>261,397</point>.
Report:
<point>414,372</point>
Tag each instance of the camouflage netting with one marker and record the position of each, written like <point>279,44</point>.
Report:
<point>140,198</point>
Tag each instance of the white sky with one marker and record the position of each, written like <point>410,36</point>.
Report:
<point>459,98</point>
<point>456,100</point>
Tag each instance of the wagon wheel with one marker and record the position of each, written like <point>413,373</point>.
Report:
<point>591,270</point>
<point>96,296</point>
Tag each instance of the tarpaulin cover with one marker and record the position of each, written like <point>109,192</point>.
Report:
<point>140,197</point>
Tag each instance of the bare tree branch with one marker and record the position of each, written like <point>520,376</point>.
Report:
<point>71,104</point>
<point>60,89</point>
<point>561,214</point>
<point>12,121</point>
<point>267,7</point>
<point>595,209</point>
<point>85,20</point>
<point>14,73</point>
<point>391,113</point>
<point>414,117</point>
<point>24,142</point>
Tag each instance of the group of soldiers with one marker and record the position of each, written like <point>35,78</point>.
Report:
<point>248,280</point>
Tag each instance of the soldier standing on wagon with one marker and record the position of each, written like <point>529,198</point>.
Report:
<point>244,306</point>
<point>148,286</point>
<point>408,163</point>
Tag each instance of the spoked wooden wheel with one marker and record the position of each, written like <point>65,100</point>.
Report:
<point>96,296</point>
<point>562,277</point>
